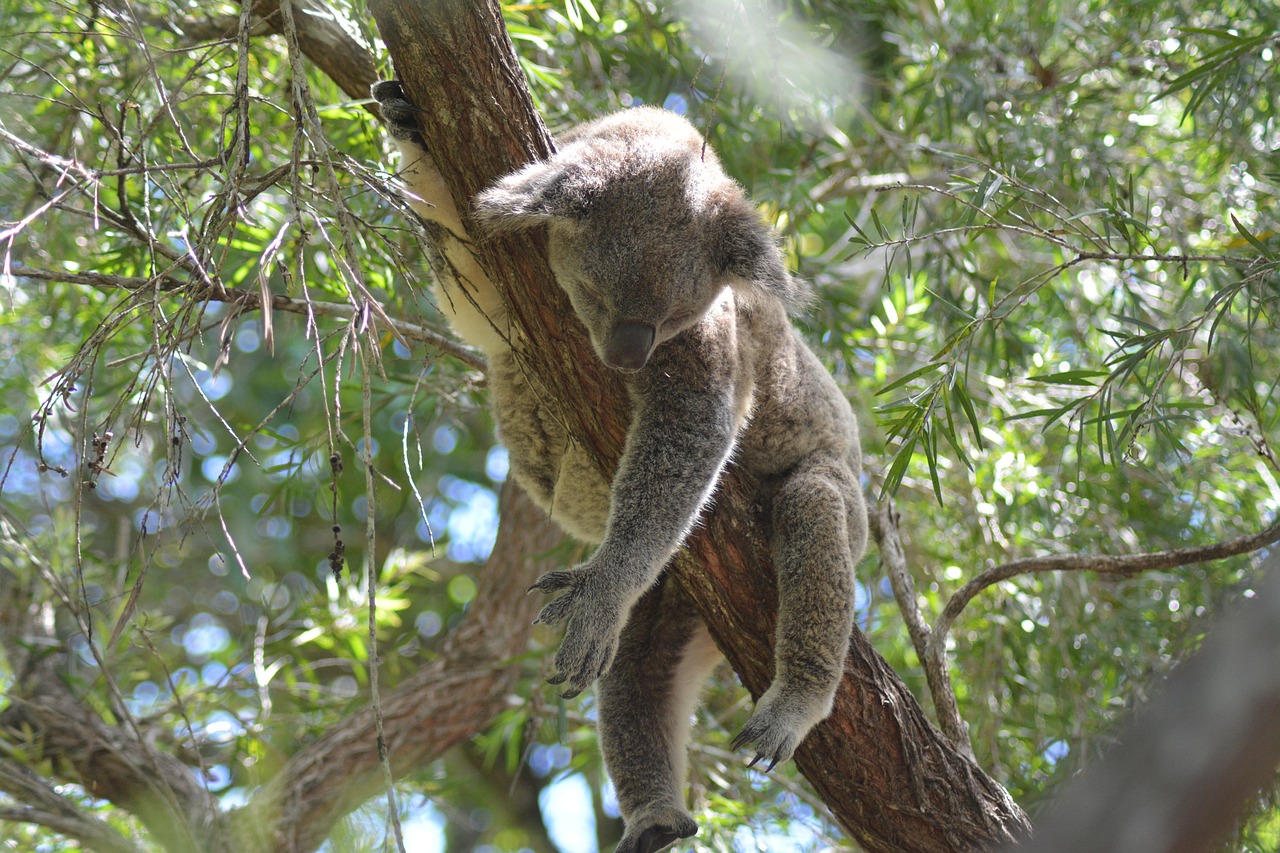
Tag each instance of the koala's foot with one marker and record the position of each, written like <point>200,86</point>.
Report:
<point>595,623</point>
<point>399,113</point>
<point>653,829</point>
<point>781,720</point>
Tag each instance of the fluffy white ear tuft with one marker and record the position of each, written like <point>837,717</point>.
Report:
<point>543,191</point>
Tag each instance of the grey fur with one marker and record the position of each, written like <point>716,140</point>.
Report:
<point>683,290</point>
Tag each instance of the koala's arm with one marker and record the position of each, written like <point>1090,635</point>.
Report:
<point>464,294</point>
<point>681,436</point>
<point>684,424</point>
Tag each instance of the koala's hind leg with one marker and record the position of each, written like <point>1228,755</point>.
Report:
<point>645,702</point>
<point>819,532</point>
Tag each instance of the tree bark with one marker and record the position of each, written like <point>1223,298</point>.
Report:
<point>888,776</point>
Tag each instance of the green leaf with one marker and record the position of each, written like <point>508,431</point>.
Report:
<point>1070,377</point>
<point>1262,248</point>
<point>908,377</point>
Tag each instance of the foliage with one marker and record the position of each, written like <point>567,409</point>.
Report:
<point>1044,242</point>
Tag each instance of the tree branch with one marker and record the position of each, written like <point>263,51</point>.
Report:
<point>1129,564</point>
<point>930,644</point>
<point>246,300</point>
<point>321,36</point>
<point>108,761</point>
<point>888,536</point>
<point>446,701</point>
<point>44,806</point>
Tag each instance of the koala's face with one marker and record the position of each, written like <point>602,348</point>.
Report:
<point>638,269</point>
<point>645,230</point>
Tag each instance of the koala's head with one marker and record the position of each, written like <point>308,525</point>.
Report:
<point>644,231</point>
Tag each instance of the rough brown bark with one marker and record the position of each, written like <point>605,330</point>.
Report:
<point>47,718</point>
<point>889,777</point>
<point>321,37</point>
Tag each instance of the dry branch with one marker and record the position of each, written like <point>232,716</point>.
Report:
<point>249,300</point>
<point>894,560</point>
<point>1123,565</point>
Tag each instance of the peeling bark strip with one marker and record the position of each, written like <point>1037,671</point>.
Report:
<point>888,776</point>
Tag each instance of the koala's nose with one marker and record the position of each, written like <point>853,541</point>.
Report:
<point>629,346</point>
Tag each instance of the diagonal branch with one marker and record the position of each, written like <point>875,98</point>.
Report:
<point>888,536</point>
<point>41,804</point>
<point>445,702</point>
<point>320,32</point>
<point>110,762</point>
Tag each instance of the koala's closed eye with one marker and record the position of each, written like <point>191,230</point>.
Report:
<point>589,291</point>
<point>678,320</point>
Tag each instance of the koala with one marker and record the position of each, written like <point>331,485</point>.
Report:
<point>683,291</point>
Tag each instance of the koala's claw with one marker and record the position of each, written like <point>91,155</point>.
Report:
<point>397,110</point>
<point>561,608</point>
<point>774,741</point>
<point>554,581</point>
<point>555,611</point>
<point>580,662</point>
<point>591,637</point>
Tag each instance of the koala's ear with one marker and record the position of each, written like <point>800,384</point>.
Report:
<point>745,247</point>
<point>542,191</point>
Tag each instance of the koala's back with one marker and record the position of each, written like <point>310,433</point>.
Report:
<point>797,409</point>
<point>635,126</point>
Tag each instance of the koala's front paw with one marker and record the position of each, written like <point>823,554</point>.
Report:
<point>399,113</point>
<point>652,830</point>
<point>595,619</point>
<point>781,720</point>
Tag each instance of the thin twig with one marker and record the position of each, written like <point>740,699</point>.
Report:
<point>251,300</point>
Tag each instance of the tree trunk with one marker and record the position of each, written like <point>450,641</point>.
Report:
<point>886,773</point>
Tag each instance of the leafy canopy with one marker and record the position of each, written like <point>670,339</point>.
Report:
<point>1044,238</point>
